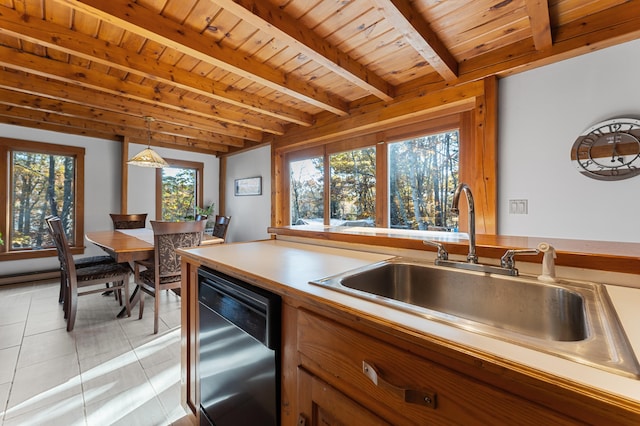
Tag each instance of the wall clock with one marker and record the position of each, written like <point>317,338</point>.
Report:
<point>609,150</point>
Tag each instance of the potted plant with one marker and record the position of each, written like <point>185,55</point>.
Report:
<point>206,213</point>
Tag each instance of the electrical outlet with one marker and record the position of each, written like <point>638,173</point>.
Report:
<point>518,206</point>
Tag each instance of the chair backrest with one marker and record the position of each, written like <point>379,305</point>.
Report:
<point>169,236</point>
<point>60,239</point>
<point>221,226</point>
<point>128,221</point>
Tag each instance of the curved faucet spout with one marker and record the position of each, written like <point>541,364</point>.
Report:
<point>463,187</point>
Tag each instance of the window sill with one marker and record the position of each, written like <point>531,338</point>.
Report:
<point>35,254</point>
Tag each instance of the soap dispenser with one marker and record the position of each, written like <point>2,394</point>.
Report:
<point>548,263</point>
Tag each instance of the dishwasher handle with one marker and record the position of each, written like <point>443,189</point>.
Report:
<point>252,309</point>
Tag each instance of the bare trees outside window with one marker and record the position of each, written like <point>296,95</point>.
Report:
<point>422,175</point>
<point>41,179</point>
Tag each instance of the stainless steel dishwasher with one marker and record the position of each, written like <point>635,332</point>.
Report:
<point>239,359</point>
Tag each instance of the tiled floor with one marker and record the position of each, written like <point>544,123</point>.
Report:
<point>106,371</point>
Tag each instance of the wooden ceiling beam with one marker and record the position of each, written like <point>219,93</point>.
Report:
<point>39,103</point>
<point>538,11</point>
<point>54,36</point>
<point>96,80</point>
<point>403,16</point>
<point>597,31</point>
<point>96,129</point>
<point>272,20</point>
<point>136,19</point>
<point>374,117</point>
<point>52,89</point>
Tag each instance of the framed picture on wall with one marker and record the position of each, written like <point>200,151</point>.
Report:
<point>248,186</point>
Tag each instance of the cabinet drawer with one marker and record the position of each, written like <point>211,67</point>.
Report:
<point>351,362</point>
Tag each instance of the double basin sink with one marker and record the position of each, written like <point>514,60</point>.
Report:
<point>572,320</point>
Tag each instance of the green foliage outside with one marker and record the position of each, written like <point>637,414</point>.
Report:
<point>423,173</point>
<point>42,185</point>
<point>178,194</point>
<point>353,185</point>
<point>307,190</point>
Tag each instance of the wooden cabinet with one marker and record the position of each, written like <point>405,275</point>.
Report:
<point>343,367</point>
<point>321,404</point>
<point>347,377</point>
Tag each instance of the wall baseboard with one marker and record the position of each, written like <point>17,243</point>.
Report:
<point>26,277</point>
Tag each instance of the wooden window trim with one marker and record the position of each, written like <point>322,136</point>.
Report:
<point>477,121</point>
<point>186,165</point>
<point>6,146</point>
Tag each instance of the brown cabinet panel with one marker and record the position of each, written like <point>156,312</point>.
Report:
<point>335,354</point>
<point>321,404</point>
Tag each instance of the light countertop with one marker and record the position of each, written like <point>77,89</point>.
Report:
<point>292,265</point>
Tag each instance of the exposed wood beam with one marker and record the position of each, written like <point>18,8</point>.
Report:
<point>102,130</point>
<point>612,26</point>
<point>375,117</point>
<point>264,16</point>
<point>12,119</point>
<point>419,34</point>
<point>51,89</point>
<point>96,80</point>
<point>48,34</point>
<point>538,11</point>
<point>138,20</point>
<point>119,120</point>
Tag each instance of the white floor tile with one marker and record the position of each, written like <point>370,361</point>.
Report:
<point>106,371</point>
<point>45,347</point>
<point>44,384</point>
<point>8,362</point>
<point>11,334</point>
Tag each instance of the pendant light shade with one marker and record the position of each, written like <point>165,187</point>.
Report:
<point>148,157</point>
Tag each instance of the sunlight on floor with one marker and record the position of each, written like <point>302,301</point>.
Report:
<point>105,372</point>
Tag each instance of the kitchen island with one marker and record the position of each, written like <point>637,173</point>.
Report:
<point>333,344</point>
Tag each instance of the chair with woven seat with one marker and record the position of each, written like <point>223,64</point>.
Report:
<point>83,262</point>
<point>221,226</point>
<point>87,277</point>
<point>128,221</point>
<point>166,272</point>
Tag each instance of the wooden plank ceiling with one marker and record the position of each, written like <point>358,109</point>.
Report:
<point>223,75</point>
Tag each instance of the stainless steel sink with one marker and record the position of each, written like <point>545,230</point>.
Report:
<point>569,319</point>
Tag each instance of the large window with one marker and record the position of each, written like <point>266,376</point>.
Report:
<point>419,177</point>
<point>423,174</point>
<point>40,180</point>
<point>307,191</point>
<point>178,190</point>
<point>353,187</point>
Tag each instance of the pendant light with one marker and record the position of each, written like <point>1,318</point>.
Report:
<point>148,157</point>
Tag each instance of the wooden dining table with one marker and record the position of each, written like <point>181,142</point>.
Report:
<point>130,245</point>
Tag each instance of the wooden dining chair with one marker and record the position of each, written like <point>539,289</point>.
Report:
<point>87,277</point>
<point>128,221</point>
<point>221,226</point>
<point>166,272</point>
<point>83,262</point>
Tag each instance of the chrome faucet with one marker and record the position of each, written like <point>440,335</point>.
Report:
<point>463,187</point>
<point>507,262</point>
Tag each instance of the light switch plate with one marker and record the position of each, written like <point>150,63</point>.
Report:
<point>518,206</point>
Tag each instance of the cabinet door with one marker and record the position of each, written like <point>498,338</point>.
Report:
<point>404,388</point>
<point>322,405</point>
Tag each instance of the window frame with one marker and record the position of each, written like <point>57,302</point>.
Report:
<point>7,146</point>
<point>381,142</point>
<point>184,164</point>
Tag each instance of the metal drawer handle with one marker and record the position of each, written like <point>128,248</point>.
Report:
<point>408,395</point>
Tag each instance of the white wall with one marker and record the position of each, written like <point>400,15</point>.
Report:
<point>250,215</point>
<point>542,112</point>
<point>102,185</point>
